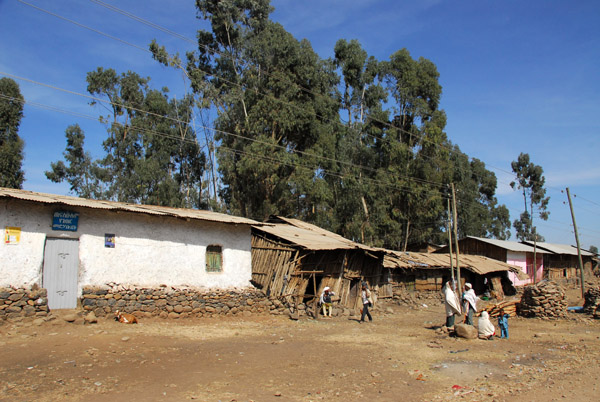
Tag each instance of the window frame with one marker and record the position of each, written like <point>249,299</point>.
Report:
<point>211,252</point>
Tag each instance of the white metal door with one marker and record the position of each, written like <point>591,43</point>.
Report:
<point>61,267</point>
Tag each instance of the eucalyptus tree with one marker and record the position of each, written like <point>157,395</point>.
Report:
<point>273,98</point>
<point>531,181</point>
<point>409,149</point>
<point>78,169</point>
<point>151,153</point>
<point>11,144</point>
<point>362,97</point>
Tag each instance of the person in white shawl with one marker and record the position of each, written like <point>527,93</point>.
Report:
<point>485,327</point>
<point>451,303</point>
<point>470,303</point>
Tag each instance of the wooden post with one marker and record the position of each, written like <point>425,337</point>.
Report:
<point>578,247</point>
<point>316,307</point>
<point>456,240</point>
<point>450,241</point>
<point>534,247</point>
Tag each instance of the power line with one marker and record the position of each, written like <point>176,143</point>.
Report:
<point>234,59</point>
<point>96,99</point>
<point>253,155</point>
<point>156,26</point>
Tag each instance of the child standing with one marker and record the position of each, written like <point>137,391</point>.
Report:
<point>503,324</point>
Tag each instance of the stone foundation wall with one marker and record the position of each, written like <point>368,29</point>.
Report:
<point>166,302</point>
<point>21,302</point>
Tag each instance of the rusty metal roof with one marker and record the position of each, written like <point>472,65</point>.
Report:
<point>312,237</point>
<point>309,239</point>
<point>475,263</point>
<point>123,206</point>
<point>308,236</point>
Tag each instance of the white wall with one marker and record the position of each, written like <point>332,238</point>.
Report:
<point>149,250</point>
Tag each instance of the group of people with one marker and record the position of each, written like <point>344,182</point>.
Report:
<point>469,299</point>
<point>366,298</point>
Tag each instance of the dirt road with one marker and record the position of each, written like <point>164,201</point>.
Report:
<point>398,357</point>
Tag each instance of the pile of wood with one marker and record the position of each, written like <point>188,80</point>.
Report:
<point>509,307</point>
<point>592,302</point>
<point>546,299</point>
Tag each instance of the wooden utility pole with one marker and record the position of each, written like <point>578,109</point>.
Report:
<point>456,239</point>
<point>578,247</point>
<point>450,242</point>
<point>534,247</point>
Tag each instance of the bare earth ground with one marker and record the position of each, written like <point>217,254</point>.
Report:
<point>398,357</point>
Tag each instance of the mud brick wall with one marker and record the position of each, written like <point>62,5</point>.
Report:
<point>18,302</point>
<point>168,302</point>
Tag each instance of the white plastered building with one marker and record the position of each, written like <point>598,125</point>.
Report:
<point>64,243</point>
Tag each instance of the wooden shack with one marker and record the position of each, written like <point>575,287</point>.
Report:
<point>295,261</point>
<point>429,272</point>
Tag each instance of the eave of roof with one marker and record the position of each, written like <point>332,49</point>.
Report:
<point>309,236</point>
<point>122,206</point>
<point>560,248</point>
<point>475,263</point>
<point>508,245</point>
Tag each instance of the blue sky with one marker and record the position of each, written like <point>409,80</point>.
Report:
<point>517,76</point>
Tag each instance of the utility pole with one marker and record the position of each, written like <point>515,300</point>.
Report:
<point>449,229</point>
<point>456,239</point>
<point>578,247</point>
<point>533,231</point>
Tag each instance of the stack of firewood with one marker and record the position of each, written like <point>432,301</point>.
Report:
<point>509,307</point>
<point>546,299</point>
<point>592,302</point>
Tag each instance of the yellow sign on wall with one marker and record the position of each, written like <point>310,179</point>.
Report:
<point>12,235</point>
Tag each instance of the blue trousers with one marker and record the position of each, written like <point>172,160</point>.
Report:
<point>365,312</point>
<point>503,331</point>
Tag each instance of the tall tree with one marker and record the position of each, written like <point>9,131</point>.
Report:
<point>11,145</point>
<point>79,170</point>
<point>530,180</point>
<point>152,156</point>
<point>362,99</point>
<point>268,89</point>
<point>409,150</point>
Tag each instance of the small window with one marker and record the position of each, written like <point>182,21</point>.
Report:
<point>214,259</point>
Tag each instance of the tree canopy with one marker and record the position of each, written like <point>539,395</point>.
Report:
<point>151,152</point>
<point>11,145</point>
<point>351,143</point>
<point>530,180</point>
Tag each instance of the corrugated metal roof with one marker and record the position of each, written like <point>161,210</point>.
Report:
<point>122,206</point>
<point>561,248</point>
<point>309,238</point>
<point>508,245</point>
<point>475,263</point>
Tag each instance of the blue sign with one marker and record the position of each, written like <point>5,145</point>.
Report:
<point>64,220</point>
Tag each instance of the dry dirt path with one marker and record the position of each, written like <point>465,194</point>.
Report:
<point>398,357</point>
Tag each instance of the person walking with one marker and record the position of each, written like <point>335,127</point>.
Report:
<point>367,302</point>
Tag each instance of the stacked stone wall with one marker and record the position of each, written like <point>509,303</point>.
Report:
<point>167,302</point>
<point>19,302</point>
